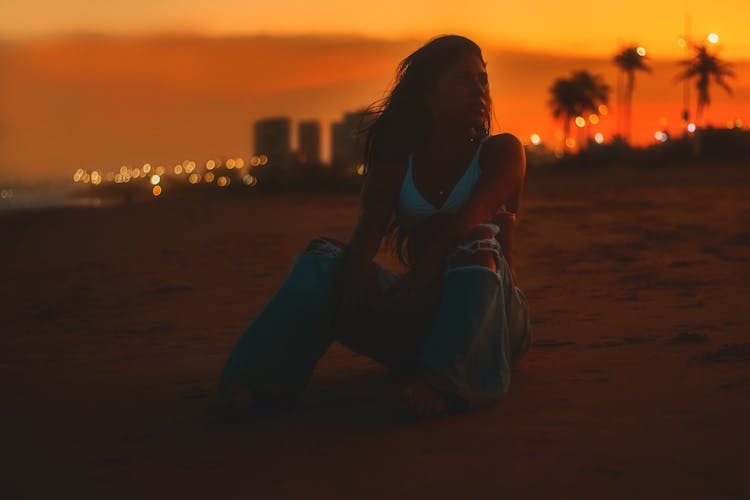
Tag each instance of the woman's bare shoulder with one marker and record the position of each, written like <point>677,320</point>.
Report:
<point>503,151</point>
<point>505,142</point>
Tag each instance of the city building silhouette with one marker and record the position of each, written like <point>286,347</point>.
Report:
<point>309,142</point>
<point>347,148</point>
<point>273,139</point>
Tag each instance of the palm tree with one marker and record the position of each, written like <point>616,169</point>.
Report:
<point>574,96</point>
<point>628,61</point>
<point>705,66</point>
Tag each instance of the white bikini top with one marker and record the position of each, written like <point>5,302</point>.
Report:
<point>413,208</point>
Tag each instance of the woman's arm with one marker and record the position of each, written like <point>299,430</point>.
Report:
<point>499,183</point>
<point>378,201</point>
<point>379,197</point>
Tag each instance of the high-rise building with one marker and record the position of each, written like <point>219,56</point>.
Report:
<point>273,139</point>
<point>347,148</point>
<point>309,142</point>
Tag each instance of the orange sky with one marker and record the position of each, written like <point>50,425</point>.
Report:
<point>100,102</point>
<point>580,27</point>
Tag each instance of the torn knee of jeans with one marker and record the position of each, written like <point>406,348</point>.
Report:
<point>479,245</point>
<point>323,246</point>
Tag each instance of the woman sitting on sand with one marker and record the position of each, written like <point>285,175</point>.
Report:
<point>445,194</point>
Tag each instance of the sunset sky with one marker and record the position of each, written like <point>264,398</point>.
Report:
<point>582,27</point>
<point>207,70</point>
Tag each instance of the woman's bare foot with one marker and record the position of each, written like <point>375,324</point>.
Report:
<point>424,401</point>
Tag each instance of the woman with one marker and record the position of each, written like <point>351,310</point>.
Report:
<point>445,195</point>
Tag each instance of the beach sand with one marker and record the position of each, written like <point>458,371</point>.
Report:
<point>116,322</point>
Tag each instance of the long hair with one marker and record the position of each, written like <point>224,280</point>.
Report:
<point>401,122</point>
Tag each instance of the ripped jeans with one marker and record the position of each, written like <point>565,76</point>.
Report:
<point>464,347</point>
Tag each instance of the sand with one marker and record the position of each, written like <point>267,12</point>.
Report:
<point>117,320</point>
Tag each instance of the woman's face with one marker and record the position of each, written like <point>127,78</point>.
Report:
<point>462,94</point>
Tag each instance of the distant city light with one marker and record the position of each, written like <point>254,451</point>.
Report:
<point>124,170</point>
<point>223,181</point>
<point>570,142</point>
<point>603,109</point>
<point>263,159</point>
<point>691,127</point>
<point>160,170</point>
<point>713,38</point>
<point>254,161</point>
<point>661,136</point>
<point>593,119</point>
<point>209,177</point>
<point>580,121</point>
<point>249,180</point>
<point>738,123</point>
<point>361,169</point>
<point>194,178</point>
<point>230,163</point>
<point>599,137</point>
<point>155,179</point>
<point>682,42</point>
<point>146,168</point>
<point>641,51</point>
<point>178,169</point>
<point>535,139</point>
<point>96,177</point>
<point>210,164</point>
<point>156,190</point>
<point>6,194</point>
<point>239,163</point>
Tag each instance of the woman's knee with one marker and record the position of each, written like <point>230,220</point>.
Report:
<point>478,247</point>
<point>323,245</point>
<point>479,232</point>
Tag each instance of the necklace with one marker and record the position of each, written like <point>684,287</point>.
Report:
<point>441,192</point>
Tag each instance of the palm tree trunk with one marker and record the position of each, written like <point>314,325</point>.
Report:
<point>629,106</point>
<point>618,99</point>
